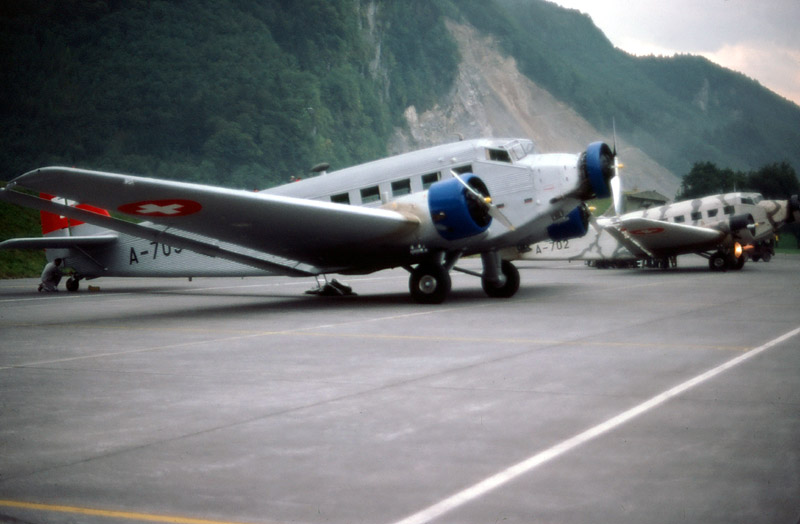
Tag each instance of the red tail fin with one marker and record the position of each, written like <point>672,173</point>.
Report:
<point>52,222</point>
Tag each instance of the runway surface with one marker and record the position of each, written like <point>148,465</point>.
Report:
<point>624,396</point>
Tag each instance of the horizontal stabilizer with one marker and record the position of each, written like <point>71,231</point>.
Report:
<point>57,242</point>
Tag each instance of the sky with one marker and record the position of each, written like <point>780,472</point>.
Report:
<point>759,38</point>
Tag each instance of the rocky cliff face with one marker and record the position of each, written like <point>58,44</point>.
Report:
<point>492,98</point>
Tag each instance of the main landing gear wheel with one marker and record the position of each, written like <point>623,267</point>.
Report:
<point>429,283</point>
<point>718,262</point>
<point>509,288</point>
<point>72,284</point>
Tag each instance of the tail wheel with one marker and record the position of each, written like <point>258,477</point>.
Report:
<point>509,288</point>
<point>429,284</point>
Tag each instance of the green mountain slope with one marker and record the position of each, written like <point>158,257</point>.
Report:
<point>248,94</point>
<point>239,93</point>
<point>679,110</point>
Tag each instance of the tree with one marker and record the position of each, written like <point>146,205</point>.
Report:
<point>706,178</point>
<point>775,181</point>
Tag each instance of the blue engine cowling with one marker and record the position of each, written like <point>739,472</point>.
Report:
<point>454,212</point>
<point>598,167</point>
<point>575,225</point>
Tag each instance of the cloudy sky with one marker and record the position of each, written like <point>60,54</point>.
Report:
<point>760,38</point>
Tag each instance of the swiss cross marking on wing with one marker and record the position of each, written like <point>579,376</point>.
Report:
<point>174,207</point>
<point>147,209</point>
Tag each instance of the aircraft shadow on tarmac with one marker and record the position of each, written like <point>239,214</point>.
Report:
<point>264,303</point>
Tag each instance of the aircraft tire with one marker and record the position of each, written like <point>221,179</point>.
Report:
<point>717,262</point>
<point>72,284</point>
<point>737,263</point>
<point>511,285</point>
<point>429,284</point>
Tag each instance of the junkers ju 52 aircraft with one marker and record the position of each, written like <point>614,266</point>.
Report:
<point>422,210</point>
<point>722,228</point>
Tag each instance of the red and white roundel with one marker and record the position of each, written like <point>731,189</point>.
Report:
<point>172,207</point>
<point>647,231</point>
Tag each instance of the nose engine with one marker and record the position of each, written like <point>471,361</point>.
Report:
<point>794,209</point>
<point>598,168</point>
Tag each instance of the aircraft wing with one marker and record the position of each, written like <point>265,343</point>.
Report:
<point>57,242</point>
<point>296,229</point>
<point>666,238</point>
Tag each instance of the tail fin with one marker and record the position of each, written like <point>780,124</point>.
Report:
<point>56,225</point>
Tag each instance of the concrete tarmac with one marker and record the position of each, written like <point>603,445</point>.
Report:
<point>603,396</point>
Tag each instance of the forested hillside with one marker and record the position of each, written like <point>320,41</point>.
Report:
<point>679,110</point>
<point>239,93</point>
<point>248,94</point>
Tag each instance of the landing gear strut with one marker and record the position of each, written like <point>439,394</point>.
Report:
<point>430,280</point>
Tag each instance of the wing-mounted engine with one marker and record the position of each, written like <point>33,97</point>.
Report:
<point>574,225</point>
<point>454,210</point>
<point>742,227</point>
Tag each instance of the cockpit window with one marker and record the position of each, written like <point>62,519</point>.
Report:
<point>519,149</point>
<point>498,155</point>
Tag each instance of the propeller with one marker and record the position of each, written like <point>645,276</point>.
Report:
<point>485,202</point>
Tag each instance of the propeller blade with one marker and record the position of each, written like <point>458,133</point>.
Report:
<point>616,189</point>
<point>496,213</point>
<point>486,202</point>
<point>471,189</point>
<point>616,181</point>
<point>614,127</point>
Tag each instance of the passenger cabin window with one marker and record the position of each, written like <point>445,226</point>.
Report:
<point>429,179</point>
<point>748,201</point>
<point>370,194</point>
<point>712,213</point>
<point>697,215</point>
<point>679,218</point>
<point>341,198</point>
<point>401,187</point>
<point>463,169</point>
<point>498,155</point>
<point>728,210</point>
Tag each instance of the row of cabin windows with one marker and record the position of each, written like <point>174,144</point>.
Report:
<point>698,215</point>
<point>398,187</point>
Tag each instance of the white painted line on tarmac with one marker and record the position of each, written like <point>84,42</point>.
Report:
<point>526,466</point>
